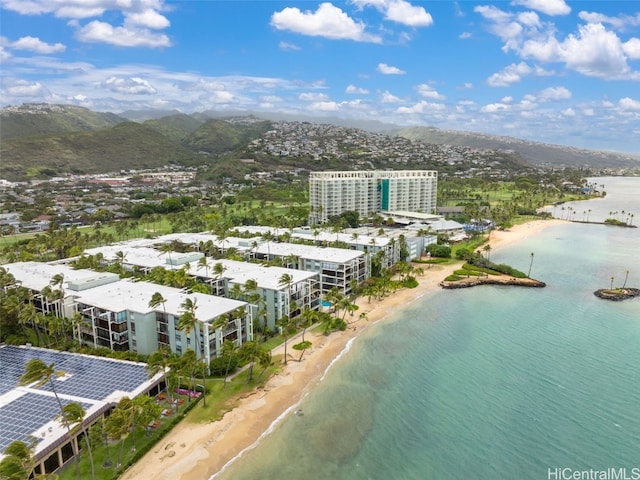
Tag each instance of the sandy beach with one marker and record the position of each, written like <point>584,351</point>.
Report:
<point>198,451</point>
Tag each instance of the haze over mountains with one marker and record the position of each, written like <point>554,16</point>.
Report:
<point>41,140</point>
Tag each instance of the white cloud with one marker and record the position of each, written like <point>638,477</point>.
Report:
<point>428,91</point>
<point>464,35</point>
<point>554,93</point>
<point>621,22</point>
<point>495,107</point>
<point>421,107</point>
<point>509,75</point>
<point>131,85</point>
<point>389,70</point>
<point>313,97</point>
<point>594,51</point>
<point>507,99</point>
<point>101,32</point>
<point>140,16</point>
<point>403,12</point>
<point>629,104</point>
<point>4,55</point>
<point>632,48</point>
<point>36,45</point>
<point>24,88</point>
<point>549,7</point>
<point>530,19</point>
<point>389,98</point>
<point>328,22</point>
<point>356,90</point>
<point>148,18</point>
<point>288,47</point>
<point>324,106</point>
<point>399,11</point>
<point>568,112</point>
<point>271,99</point>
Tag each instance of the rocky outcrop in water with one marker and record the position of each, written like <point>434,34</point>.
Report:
<point>617,294</point>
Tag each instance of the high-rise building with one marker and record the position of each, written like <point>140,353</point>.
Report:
<point>367,192</point>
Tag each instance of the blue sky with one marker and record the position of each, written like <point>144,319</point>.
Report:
<point>553,71</point>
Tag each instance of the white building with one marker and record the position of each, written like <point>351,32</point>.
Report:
<point>120,316</point>
<point>367,192</point>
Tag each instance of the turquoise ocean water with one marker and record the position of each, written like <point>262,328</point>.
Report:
<point>485,383</point>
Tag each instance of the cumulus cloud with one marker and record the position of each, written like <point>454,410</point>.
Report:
<point>495,107</point>
<point>4,55</point>
<point>356,90</point>
<point>102,32</point>
<point>399,11</point>
<point>324,106</point>
<point>421,107</point>
<point>131,85</point>
<point>548,7</point>
<point>141,18</point>
<point>24,88</point>
<point>632,48</point>
<point>621,22</point>
<point>592,51</point>
<point>36,45</point>
<point>148,18</point>
<point>554,93</point>
<point>629,104</point>
<point>389,70</point>
<point>427,91</point>
<point>509,75</point>
<point>389,98</point>
<point>327,21</point>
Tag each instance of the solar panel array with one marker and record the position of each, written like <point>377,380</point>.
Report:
<point>90,378</point>
<point>21,418</point>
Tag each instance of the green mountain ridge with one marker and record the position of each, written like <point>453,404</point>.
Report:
<point>42,119</point>
<point>128,145</point>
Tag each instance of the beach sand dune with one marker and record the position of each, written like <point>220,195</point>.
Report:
<point>200,450</point>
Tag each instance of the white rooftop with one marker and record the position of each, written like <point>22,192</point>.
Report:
<point>135,297</point>
<point>37,275</point>
<point>326,254</point>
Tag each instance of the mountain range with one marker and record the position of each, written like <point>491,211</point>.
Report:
<point>43,140</point>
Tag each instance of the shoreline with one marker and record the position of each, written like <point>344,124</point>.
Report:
<point>204,451</point>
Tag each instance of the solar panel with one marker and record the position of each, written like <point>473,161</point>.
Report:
<point>90,378</point>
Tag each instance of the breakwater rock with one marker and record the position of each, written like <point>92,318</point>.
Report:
<point>617,294</point>
<point>492,280</point>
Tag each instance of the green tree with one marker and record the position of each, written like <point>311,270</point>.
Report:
<point>74,414</point>
<point>189,322</point>
<point>39,373</point>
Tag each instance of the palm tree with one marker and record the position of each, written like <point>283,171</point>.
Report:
<point>18,462</point>
<point>161,361</point>
<point>487,249</point>
<point>188,322</point>
<point>119,423</point>
<point>286,325</point>
<point>39,373</point>
<point>156,300</point>
<point>73,413</point>
<point>626,277</point>
<point>286,279</point>
<point>530,265</point>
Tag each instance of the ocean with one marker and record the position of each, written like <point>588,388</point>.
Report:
<point>486,383</point>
